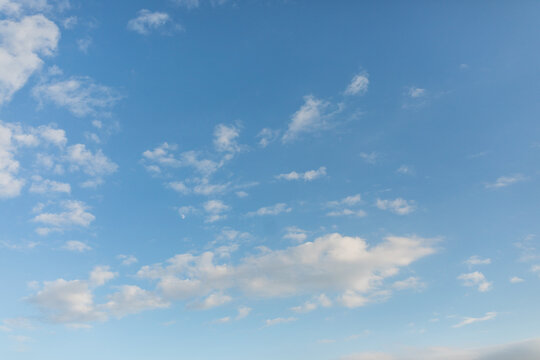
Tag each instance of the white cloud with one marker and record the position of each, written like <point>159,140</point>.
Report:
<point>225,138</point>
<point>347,201</point>
<point>190,4</point>
<point>306,176</point>
<point>10,185</point>
<point>267,136</point>
<point>295,234</point>
<point>76,246</point>
<point>23,42</point>
<point>523,350</point>
<point>476,260</point>
<point>67,302</point>
<point>211,301</point>
<point>516,280</point>
<point>310,117</point>
<point>132,300</point>
<point>472,320</point>
<point>75,214</point>
<point>72,302</point>
<point>347,212</point>
<point>332,263</point>
<point>476,279</point>
<point>370,158</point>
<point>271,210</point>
<point>79,94</point>
<point>536,269</point>
<point>398,206</point>
<point>127,259</point>
<point>276,321</point>
<point>46,186</point>
<point>359,85</point>
<point>95,164</point>
<point>409,283</point>
<point>215,210</point>
<point>100,275</point>
<point>84,44</point>
<point>505,181</point>
<point>314,303</point>
<point>147,21</point>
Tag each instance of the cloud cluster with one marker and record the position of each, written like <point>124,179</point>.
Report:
<point>345,266</point>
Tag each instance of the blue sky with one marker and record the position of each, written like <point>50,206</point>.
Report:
<point>211,179</point>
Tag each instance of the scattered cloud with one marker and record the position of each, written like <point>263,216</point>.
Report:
<point>472,320</point>
<point>148,21</point>
<point>296,234</point>
<point>76,246</point>
<point>311,117</point>
<point>317,301</point>
<point>332,263</point>
<point>80,95</point>
<point>46,186</point>
<point>267,136</point>
<point>279,320</point>
<point>476,279</point>
<point>306,176</point>
<point>75,214</point>
<point>370,158</point>
<point>359,85</point>
<point>271,210</point>
<point>416,92</point>
<point>505,181</point>
<point>398,206</point>
<point>412,282</point>
<point>215,210</point>
<point>476,260</point>
<point>516,280</point>
<point>24,42</point>
<point>405,170</point>
<point>127,259</point>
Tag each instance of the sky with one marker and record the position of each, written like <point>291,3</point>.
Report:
<point>269,179</point>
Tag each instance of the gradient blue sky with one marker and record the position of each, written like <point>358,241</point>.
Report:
<point>213,179</point>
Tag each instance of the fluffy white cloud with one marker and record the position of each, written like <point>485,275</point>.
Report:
<point>271,210</point>
<point>23,43</point>
<point>295,234</point>
<point>100,275</point>
<point>225,138</point>
<point>523,350</point>
<point>505,181</point>
<point>398,206</point>
<point>46,186</point>
<point>215,210</point>
<point>72,302</point>
<point>127,259</point>
<point>347,201</point>
<point>332,263</point>
<point>147,21</point>
<point>75,214</point>
<point>476,279</point>
<point>79,94</point>
<point>95,164</point>
<point>76,246</point>
<point>359,85</point>
<point>310,117</point>
<point>476,260</point>
<point>211,301</point>
<point>64,301</point>
<point>306,176</point>
<point>131,300</point>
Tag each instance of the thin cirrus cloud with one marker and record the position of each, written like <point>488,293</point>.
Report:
<point>505,181</point>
